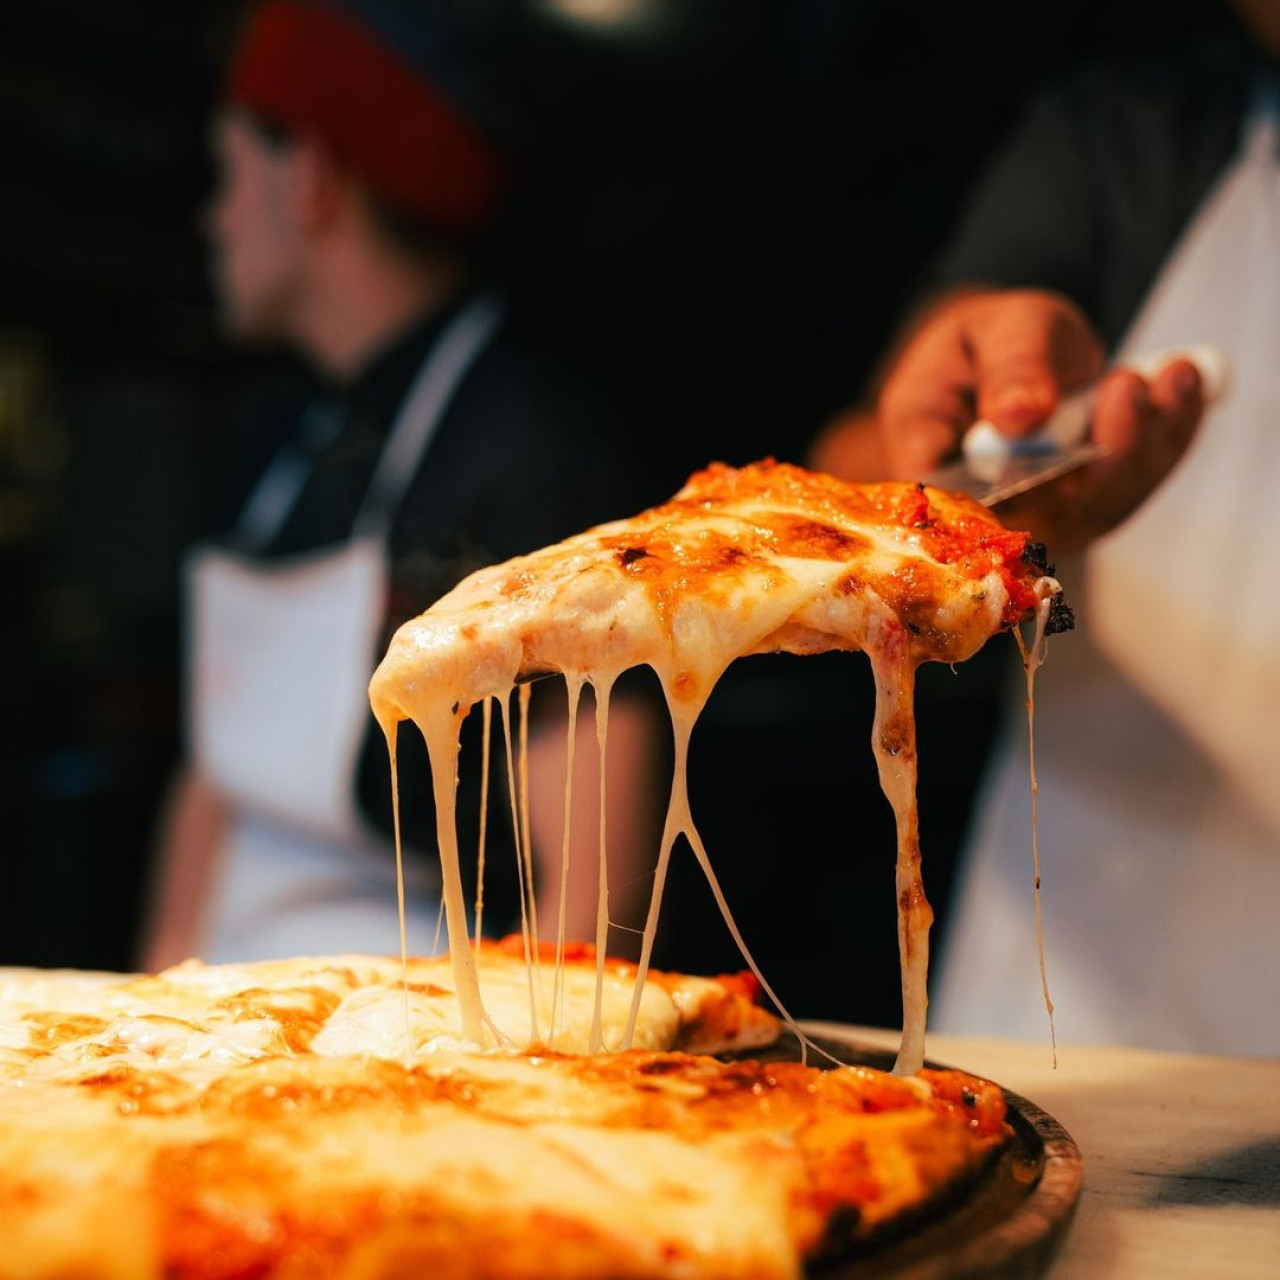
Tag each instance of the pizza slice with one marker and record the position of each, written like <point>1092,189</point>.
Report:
<point>764,558</point>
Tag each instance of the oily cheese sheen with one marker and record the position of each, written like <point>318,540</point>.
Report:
<point>285,1120</point>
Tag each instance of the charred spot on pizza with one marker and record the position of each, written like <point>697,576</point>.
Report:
<point>629,555</point>
<point>1036,554</point>
<point>1061,617</point>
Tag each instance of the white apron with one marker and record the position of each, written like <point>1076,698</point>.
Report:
<point>281,659</point>
<point>1158,720</point>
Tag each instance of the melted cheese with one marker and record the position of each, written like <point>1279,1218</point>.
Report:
<point>766,558</point>
<point>192,1015</point>
<point>528,906</point>
<point>596,1037</point>
<point>486,740</point>
<point>894,742</point>
<point>575,694</point>
<point>1033,656</point>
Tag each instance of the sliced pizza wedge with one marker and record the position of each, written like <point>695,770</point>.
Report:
<point>764,558</point>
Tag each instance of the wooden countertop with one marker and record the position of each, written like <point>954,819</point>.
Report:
<point>1181,1152</point>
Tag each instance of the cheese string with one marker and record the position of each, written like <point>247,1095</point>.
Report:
<point>700,853</point>
<point>679,821</point>
<point>441,727</point>
<point>525,696</point>
<point>526,885</point>
<point>682,725</point>
<point>1033,658</point>
<point>435,937</point>
<point>574,687</point>
<point>893,739</point>
<point>484,812</point>
<point>391,732</point>
<point>603,687</point>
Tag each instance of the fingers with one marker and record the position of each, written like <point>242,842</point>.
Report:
<point>1027,347</point>
<point>1178,395</point>
<point>1145,427</point>
<point>1121,410</point>
<point>1148,425</point>
<point>1006,356</point>
<point>1002,355</point>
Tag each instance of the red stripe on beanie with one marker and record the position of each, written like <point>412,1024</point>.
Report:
<point>310,67</point>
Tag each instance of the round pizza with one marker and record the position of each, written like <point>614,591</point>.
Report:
<point>318,1118</point>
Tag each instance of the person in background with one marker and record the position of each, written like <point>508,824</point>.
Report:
<point>1137,209</point>
<point>357,182</point>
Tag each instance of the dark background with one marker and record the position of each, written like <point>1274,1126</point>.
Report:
<point>730,203</point>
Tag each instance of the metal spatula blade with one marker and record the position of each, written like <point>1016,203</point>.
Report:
<point>995,480</point>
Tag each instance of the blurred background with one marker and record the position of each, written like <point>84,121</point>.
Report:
<point>732,202</point>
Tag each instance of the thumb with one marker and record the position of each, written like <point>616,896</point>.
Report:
<point>1026,352</point>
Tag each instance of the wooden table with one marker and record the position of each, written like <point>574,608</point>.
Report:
<point>1181,1153</point>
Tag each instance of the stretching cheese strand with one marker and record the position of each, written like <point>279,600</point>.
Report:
<point>522,879</point>
<point>575,694</point>
<point>526,837</point>
<point>392,732</point>
<point>603,688</point>
<point>893,738</point>
<point>484,814</point>
<point>1032,660</point>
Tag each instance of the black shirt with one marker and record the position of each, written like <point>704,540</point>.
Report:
<point>522,457</point>
<point>1094,188</point>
